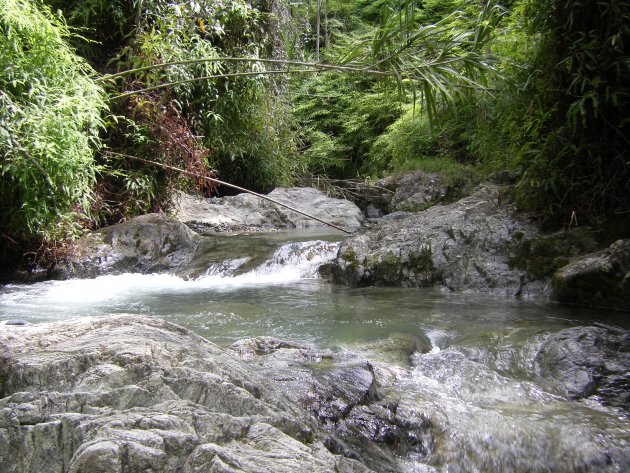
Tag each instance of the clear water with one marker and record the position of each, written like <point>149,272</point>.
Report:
<point>474,383</point>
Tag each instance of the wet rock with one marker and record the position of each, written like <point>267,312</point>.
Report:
<point>131,393</point>
<point>464,246</point>
<point>412,191</point>
<point>588,361</point>
<point>252,347</point>
<point>398,347</point>
<point>600,279</point>
<point>342,391</point>
<point>248,212</point>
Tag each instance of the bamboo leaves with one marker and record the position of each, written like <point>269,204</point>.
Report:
<point>50,110</point>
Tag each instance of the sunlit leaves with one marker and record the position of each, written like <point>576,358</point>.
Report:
<point>50,110</point>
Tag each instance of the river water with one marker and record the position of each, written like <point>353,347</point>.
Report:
<point>475,381</point>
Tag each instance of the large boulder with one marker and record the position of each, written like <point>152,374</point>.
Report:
<point>465,246</point>
<point>131,393</point>
<point>249,212</point>
<point>146,244</point>
<point>586,361</point>
<point>411,192</point>
<point>599,279</point>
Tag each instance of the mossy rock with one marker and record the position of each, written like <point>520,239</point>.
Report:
<point>422,261</point>
<point>386,268</point>
<point>543,256</point>
<point>601,279</point>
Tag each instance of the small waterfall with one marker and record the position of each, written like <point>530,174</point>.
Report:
<point>291,262</point>
<point>300,260</point>
<point>226,268</point>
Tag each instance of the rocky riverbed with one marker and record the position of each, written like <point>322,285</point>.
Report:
<point>131,393</point>
<point>119,393</point>
<point>122,393</point>
<point>476,244</point>
<point>479,243</point>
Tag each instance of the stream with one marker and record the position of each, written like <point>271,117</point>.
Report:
<point>475,382</point>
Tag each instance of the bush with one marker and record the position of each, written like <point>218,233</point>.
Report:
<point>50,119</point>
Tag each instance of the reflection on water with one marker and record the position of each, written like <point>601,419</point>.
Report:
<point>474,384</point>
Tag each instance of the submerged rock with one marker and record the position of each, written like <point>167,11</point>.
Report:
<point>249,212</point>
<point>131,393</point>
<point>464,246</point>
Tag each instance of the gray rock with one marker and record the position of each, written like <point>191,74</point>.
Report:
<point>343,392</point>
<point>399,347</point>
<point>246,211</point>
<point>600,279</point>
<point>131,393</point>
<point>145,244</point>
<point>413,191</point>
<point>587,361</point>
<point>464,246</point>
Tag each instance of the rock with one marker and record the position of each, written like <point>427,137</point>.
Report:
<point>132,393</point>
<point>342,391</point>
<point>145,244</point>
<point>399,347</point>
<point>252,347</point>
<point>587,361</point>
<point>248,212</point>
<point>464,246</point>
<point>14,322</point>
<point>412,191</point>
<point>600,279</point>
<point>155,243</point>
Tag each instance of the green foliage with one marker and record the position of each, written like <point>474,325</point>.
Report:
<point>575,158</point>
<point>102,24</point>
<point>437,62</point>
<point>241,121</point>
<point>340,117</point>
<point>431,64</point>
<point>406,142</point>
<point>412,143</point>
<point>50,119</point>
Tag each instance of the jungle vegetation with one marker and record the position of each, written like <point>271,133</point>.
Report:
<point>263,93</point>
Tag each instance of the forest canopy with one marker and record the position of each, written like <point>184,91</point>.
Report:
<point>265,93</point>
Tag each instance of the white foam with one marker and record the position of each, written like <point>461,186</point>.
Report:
<point>291,262</point>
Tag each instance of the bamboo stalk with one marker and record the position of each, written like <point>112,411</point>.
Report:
<point>323,67</point>
<point>314,67</point>
<point>227,184</point>
<point>195,79</point>
<point>32,160</point>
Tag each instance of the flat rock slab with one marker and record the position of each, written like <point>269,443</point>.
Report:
<point>132,393</point>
